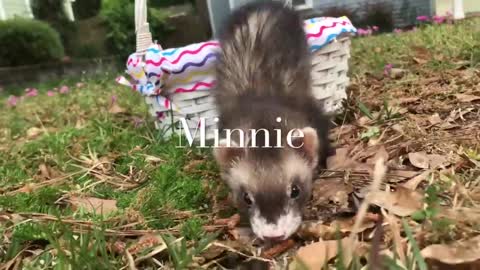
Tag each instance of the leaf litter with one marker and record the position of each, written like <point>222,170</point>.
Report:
<point>417,125</point>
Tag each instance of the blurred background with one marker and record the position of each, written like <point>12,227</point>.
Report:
<point>42,40</point>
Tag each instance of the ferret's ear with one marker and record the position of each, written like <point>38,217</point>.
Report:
<point>307,145</point>
<point>225,154</point>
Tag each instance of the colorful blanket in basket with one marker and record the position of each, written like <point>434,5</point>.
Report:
<point>190,68</point>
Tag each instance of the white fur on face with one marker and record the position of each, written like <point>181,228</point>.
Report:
<point>285,226</point>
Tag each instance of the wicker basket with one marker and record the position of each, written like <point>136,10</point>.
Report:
<point>330,79</point>
<point>329,42</point>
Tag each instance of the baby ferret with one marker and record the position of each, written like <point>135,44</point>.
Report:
<point>264,84</point>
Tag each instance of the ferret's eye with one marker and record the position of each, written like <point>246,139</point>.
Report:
<point>247,199</point>
<point>295,192</point>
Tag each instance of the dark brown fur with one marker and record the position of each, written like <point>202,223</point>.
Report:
<point>265,72</point>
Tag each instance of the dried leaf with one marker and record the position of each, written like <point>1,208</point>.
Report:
<point>94,205</point>
<point>455,253</point>
<point>346,225</point>
<point>336,191</point>
<point>116,109</point>
<point>425,161</point>
<point>34,132</point>
<point>315,230</point>
<point>401,202</point>
<point>415,181</point>
<point>435,119</point>
<point>153,159</point>
<point>467,98</point>
<point>342,161</point>
<point>317,255</point>
<point>406,100</point>
<point>145,242</point>
<point>419,160</point>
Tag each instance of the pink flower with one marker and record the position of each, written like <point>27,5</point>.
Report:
<point>80,85</point>
<point>375,28</point>
<point>439,19</point>
<point>387,69</point>
<point>31,92</point>
<point>397,31</point>
<point>422,18</point>
<point>364,32</point>
<point>12,101</point>
<point>64,89</point>
<point>50,93</point>
<point>113,99</point>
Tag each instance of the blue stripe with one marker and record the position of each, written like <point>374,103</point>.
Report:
<point>191,64</point>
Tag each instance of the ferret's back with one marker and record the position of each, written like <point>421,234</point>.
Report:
<point>264,52</point>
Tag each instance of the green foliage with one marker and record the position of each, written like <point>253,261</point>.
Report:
<point>25,41</point>
<point>86,8</point>
<point>52,12</point>
<point>167,3</point>
<point>378,14</point>
<point>120,20</point>
<point>180,254</point>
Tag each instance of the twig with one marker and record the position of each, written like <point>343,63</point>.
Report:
<point>378,175</point>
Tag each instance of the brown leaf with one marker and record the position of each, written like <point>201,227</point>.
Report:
<point>93,205</point>
<point>401,202</point>
<point>317,255</point>
<point>415,181</point>
<point>145,242</point>
<point>435,119</point>
<point>419,160</point>
<point>80,123</point>
<point>342,161</point>
<point>326,190</point>
<point>423,160</point>
<point>456,253</point>
<point>115,109</point>
<point>467,98</point>
<point>406,100</point>
<point>315,230</point>
<point>34,132</point>
<point>420,60</point>
<point>346,224</point>
<point>153,159</point>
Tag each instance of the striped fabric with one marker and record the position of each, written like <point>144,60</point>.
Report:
<point>187,69</point>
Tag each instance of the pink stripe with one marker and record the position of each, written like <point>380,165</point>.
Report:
<point>320,32</point>
<point>195,87</point>
<point>150,62</point>
<point>131,60</point>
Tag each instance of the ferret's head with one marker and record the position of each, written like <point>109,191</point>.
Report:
<point>271,185</point>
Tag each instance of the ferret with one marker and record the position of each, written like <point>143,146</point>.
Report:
<point>263,83</point>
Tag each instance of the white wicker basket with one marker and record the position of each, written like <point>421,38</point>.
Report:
<point>329,74</point>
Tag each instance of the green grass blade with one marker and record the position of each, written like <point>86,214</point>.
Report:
<point>416,250</point>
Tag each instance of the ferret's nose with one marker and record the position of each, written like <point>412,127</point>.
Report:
<point>274,238</point>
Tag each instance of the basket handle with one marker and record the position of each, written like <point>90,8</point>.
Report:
<point>142,29</point>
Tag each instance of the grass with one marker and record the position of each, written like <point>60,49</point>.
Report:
<point>76,131</point>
